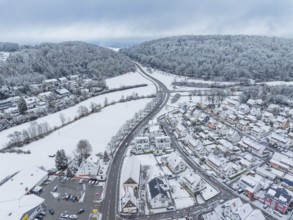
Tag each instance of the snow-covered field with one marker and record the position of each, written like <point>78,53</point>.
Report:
<point>168,78</point>
<point>97,128</point>
<point>70,113</point>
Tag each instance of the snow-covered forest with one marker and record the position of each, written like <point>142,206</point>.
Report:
<point>222,58</point>
<point>32,64</point>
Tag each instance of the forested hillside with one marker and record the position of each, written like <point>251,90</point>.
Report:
<point>220,58</point>
<point>27,64</point>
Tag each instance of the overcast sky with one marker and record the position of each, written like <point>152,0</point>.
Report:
<point>99,20</point>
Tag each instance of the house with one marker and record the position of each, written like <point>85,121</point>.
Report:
<point>243,125</point>
<point>131,173</point>
<point>265,173</point>
<point>162,143</point>
<point>222,129</point>
<point>74,77</point>
<point>234,209</point>
<point>142,144</point>
<point>224,145</point>
<point>287,182</point>
<point>231,206</point>
<point>36,88</point>
<point>192,143</point>
<point>216,163</point>
<point>250,185</point>
<point>260,132</point>
<point>255,112</point>
<point>180,131</point>
<point>63,81</point>
<point>254,102</point>
<point>88,168</point>
<point>158,196</point>
<point>253,146</point>
<point>44,96</point>
<point>17,200</point>
<point>154,131</point>
<point>232,118</point>
<point>281,162</point>
<point>231,102</point>
<point>256,214</point>
<point>282,122</point>
<point>233,136</point>
<point>175,163</point>
<point>31,102</point>
<point>63,93</point>
<point>244,108</point>
<point>5,104</point>
<point>203,118</point>
<point>192,182</point>
<point>51,83</point>
<point>278,140</point>
<point>278,199</point>
<point>231,169</point>
<point>129,202</point>
<point>273,107</point>
<point>267,117</point>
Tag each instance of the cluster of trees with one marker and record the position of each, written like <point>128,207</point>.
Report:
<point>32,64</point>
<point>221,58</point>
<point>33,132</point>
<point>279,94</point>
<point>128,125</point>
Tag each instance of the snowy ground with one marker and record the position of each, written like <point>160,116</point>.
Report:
<point>70,113</point>
<point>98,128</point>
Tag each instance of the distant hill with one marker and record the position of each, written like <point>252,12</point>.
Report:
<point>217,57</point>
<point>27,64</point>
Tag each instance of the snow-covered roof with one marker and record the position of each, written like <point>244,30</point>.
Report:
<point>131,169</point>
<point>14,199</point>
<point>50,80</point>
<point>21,183</point>
<point>62,91</point>
<point>244,210</point>
<point>155,128</point>
<point>256,214</point>
<point>279,138</point>
<point>234,204</point>
<point>174,160</point>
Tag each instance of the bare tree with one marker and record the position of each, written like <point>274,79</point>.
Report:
<point>82,110</point>
<point>62,118</point>
<point>83,149</point>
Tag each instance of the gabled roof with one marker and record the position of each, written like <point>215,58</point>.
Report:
<point>155,188</point>
<point>233,204</point>
<point>256,214</point>
<point>244,211</point>
<point>131,170</point>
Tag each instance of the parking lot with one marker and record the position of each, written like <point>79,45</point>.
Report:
<point>68,196</point>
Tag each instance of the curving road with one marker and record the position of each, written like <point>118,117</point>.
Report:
<point>111,195</point>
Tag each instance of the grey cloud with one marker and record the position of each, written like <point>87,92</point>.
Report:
<point>139,18</point>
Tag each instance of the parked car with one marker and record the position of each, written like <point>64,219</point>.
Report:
<point>51,211</point>
<point>80,211</point>
<point>73,216</point>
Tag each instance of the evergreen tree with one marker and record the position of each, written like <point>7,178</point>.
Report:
<point>61,160</point>
<point>22,107</point>
<point>69,173</point>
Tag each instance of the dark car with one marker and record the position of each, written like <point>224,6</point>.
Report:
<point>80,211</point>
<point>51,211</point>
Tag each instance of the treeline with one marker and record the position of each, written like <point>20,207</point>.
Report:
<point>279,94</point>
<point>32,64</point>
<point>219,58</point>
